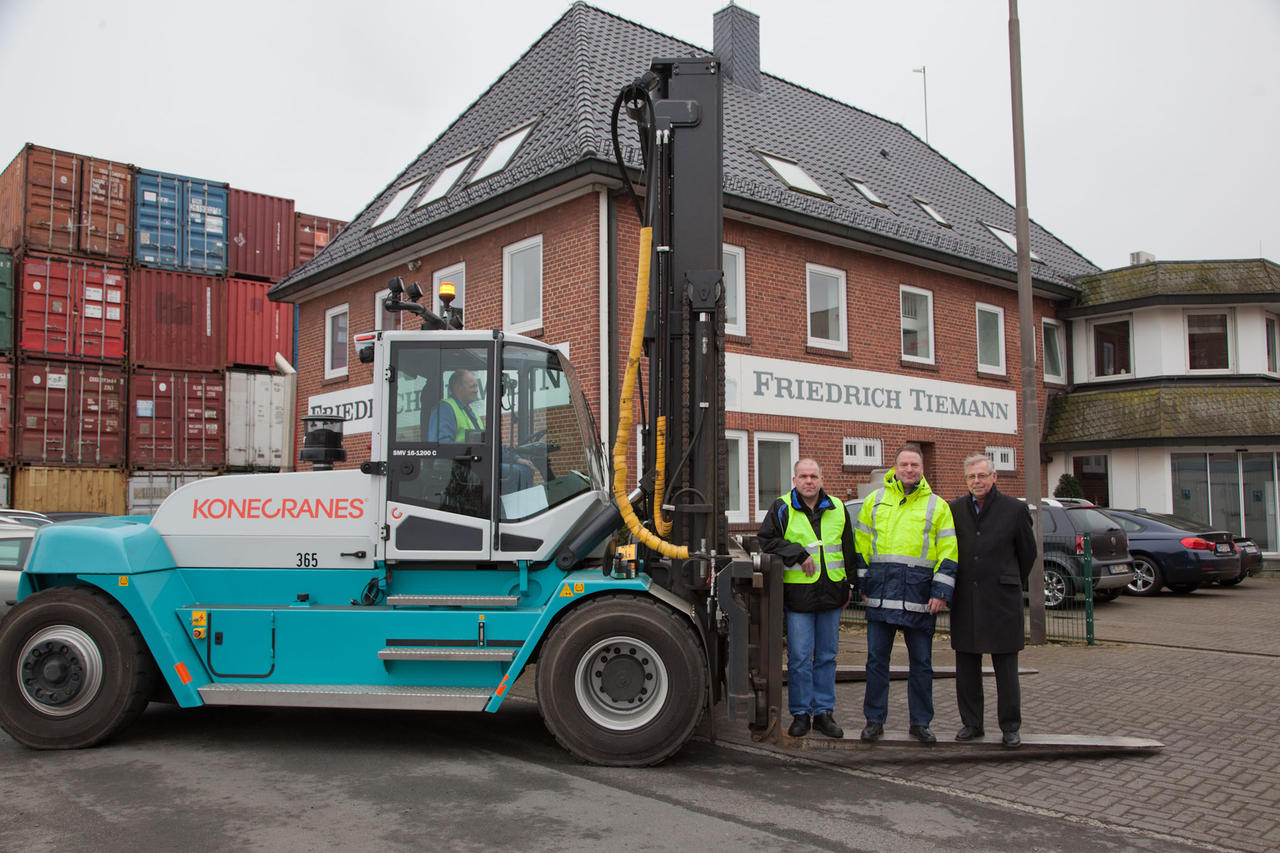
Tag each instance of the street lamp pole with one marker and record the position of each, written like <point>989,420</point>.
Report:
<point>924,79</point>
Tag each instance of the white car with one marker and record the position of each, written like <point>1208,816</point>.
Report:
<point>15,542</point>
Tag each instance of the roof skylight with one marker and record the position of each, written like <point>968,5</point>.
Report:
<point>447,178</point>
<point>397,205</point>
<point>929,209</point>
<point>1009,239</point>
<point>793,175</point>
<point>866,191</point>
<point>502,153</point>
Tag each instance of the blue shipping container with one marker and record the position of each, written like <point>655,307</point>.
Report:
<point>180,223</point>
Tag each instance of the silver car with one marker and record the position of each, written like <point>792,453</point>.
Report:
<point>15,542</point>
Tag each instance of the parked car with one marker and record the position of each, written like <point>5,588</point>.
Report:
<point>1073,501</point>
<point>1064,529</point>
<point>27,517</point>
<point>1250,560</point>
<point>1179,553</point>
<point>15,542</point>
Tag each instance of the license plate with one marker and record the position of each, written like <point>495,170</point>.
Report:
<point>1119,570</point>
<point>1222,548</point>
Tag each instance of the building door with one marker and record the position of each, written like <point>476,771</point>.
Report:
<point>1091,472</point>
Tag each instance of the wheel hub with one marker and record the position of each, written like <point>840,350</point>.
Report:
<point>60,670</point>
<point>621,675</point>
<point>621,683</point>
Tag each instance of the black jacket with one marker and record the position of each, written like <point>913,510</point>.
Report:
<point>824,593</point>
<point>997,550</point>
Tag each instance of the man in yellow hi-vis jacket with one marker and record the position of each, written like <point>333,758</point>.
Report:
<point>907,560</point>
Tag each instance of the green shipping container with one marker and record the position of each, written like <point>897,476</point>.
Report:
<point>6,301</point>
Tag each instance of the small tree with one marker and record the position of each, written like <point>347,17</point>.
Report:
<point>1068,487</point>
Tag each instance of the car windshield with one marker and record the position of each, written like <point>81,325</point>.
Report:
<point>1091,520</point>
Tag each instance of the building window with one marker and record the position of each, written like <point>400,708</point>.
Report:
<point>1010,240</point>
<point>335,342</point>
<point>445,181</point>
<point>990,338</point>
<point>1111,355</point>
<point>1208,487</point>
<point>522,285</point>
<point>863,452</point>
<point>734,261</point>
<point>776,456</point>
<point>384,320</point>
<point>1002,458</point>
<point>865,191</point>
<point>793,175</point>
<point>826,307</point>
<point>736,510</point>
<point>1054,365</point>
<point>917,324</point>
<point>502,152</point>
<point>1207,342</point>
<point>455,275</point>
<point>1273,344</point>
<point>932,211</point>
<point>397,204</point>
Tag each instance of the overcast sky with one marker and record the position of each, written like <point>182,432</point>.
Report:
<point>1151,124</point>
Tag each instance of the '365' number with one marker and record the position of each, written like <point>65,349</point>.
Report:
<point>308,560</point>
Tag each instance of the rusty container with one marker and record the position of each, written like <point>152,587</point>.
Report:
<point>71,308</point>
<point>6,300</point>
<point>43,489</point>
<point>56,201</point>
<point>178,420</point>
<point>69,414</point>
<point>313,233</point>
<point>259,235</point>
<point>257,328</point>
<point>177,320</point>
<point>6,411</point>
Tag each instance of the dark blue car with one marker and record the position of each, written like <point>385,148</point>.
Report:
<point>1179,553</point>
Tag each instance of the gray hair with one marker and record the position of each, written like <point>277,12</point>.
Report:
<point>976,458</point>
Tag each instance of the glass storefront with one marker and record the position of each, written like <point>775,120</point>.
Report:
<point>1231,491</point>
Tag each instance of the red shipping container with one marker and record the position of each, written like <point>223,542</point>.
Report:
<point>257,328</point>
<point>313,234</point>
<point>178,420</point>
<point>6,411</point>
<point>70,414</point>
<point>55,201</point>
<point>71,308</point>
<point>177,320</point>
<point>259,235</point>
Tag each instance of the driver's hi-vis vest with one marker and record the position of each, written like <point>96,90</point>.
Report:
<point>462,417</point>
<point>825,551</point>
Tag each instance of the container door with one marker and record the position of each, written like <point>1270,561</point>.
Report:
<point>156,223</point>
<point>206,228</point>
<point>439,457</point>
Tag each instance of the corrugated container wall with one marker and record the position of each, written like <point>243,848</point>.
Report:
<point>70,490</point>
<point>71,308</point>
<point>4,489</point>
<point>313,234</point>
<point>177,320</point>
<point>70,414</point>
<point>259,235</point>
<point>257,328</point>
<point>178,420</point>
<point>180,222</point>
<point>6,300</point>
<point>148,489</point>
<point>6,411</point>
<point>255,420</point>
<point>55,201</point>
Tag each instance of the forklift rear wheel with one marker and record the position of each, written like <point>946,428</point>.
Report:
<point>622,681</point>
<point>73,669</point>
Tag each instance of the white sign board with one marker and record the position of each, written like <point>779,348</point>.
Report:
<point>354,404</point>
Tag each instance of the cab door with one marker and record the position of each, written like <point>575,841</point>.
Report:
<point>439,451</point>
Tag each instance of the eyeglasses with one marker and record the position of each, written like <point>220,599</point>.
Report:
<point>977,476</point>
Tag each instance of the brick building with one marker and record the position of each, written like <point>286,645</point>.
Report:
<point>870,283</point>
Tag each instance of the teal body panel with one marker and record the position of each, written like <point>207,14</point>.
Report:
<point>303,626</point>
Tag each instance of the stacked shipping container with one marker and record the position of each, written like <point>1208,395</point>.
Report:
<point>133,320</point>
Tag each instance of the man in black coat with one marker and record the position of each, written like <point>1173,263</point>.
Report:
<point>997,549</point>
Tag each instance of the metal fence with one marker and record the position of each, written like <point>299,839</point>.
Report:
<point>1068,593</point>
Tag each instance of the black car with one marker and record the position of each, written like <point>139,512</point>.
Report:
<point>1250,560</point>
<point>1179,553</point>
<point>1064,529</point>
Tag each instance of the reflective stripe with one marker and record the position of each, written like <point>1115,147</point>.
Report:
<point>875,504</point>
<point>874,602</point>
<point>835,564</point>
<point>928,524</point>
<point>858,525</point>
<point>915,608</point>
<point>903,560</point>
<point>862,573</point>
<point>945,580</point>
<point>947,533</point>
<point>897,604</point>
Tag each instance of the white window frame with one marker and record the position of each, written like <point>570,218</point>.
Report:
<point>866,452</point>
<point>906,288</point>
<point>743,515</point>
<point>842,302</point>
<point>331,372</point>
<point>446,180</point>
<point>738,287</point>
<point>1002,458</point>
<point>1271,336</point>
<point>397,205</point>
<point>793,175</point>
<point>1094,372</point>
<point>781,438</point>
<point>1059,336</point>
<point>928,208</point>
<point>1010,240</point>
<point>864,190</point>
<point>1000,369</point>
<point>378,312</point>
<point>507,252</point>
<point>457,274</point>
<point>503,151</point>
<point>1231,340</point>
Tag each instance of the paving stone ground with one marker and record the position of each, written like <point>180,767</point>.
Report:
<point>1199,672</point>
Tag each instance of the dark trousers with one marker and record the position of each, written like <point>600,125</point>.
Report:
<point>875,703</point>
<point>1008,693</point>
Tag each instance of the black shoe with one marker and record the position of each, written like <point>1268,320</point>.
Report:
<point>969,733</point>
<point>872,732</point>
<point>799,725</point>
<point>1012,740</point>
<point>824,724</point>
<point>922,734</point>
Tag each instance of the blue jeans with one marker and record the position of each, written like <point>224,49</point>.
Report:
<point>875,706</point>
<point>812,642</point>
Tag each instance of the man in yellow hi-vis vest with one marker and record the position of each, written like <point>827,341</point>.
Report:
<point>813,536</point>
<point>454,417</point>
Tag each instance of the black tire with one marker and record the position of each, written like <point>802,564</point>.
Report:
<point>1107,595</point>
<point>1235,581</point>
<point>622,681</point>
<point>1058,588</point>
<point>1147,577</point>
<point>73,669</point>
<point>1183,588</point>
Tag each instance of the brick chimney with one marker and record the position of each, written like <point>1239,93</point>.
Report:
<point>736,33</point>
